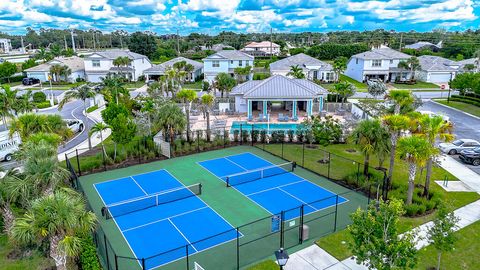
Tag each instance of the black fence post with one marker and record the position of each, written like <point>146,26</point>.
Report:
<point>303,154</point>
<point>139,156</point>
<point>251,134</point>
<point>336,214</point>
<point>116,262</point>
<point>224,138</point>
<point>300,228</point>
<point>186,257</point>
<point>241,135</point>
<point>282,217</point>
<point>329,162</point>
<point>143,264</point>
<point>106,251</point>
<point>78,162</point>
<point>238,248</point>
<point>358,172</point>
<point>198,141</point>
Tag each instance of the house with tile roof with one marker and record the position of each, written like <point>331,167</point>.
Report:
<point>156,71</point>
<point>436,69</point>
<point>264,48</point>
<point>279,94</point>
<point>313,68</point>
<point>424,45</point>
<point>42,71</point>
<point>225,62</point>
<point>381,64</point>
<point>100,63</point>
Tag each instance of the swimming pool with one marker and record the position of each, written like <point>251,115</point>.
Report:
<point>259,126</point>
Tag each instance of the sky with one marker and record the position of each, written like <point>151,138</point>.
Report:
<point>243,16</point>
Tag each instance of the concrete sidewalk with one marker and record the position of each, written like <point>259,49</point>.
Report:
<point>315,258</point>
<point>461,172</point>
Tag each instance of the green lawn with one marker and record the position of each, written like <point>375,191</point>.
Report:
<point>266,265</point>
<point>134,85</point>
<point>469,108</point>
<point>33,262</point>
<point>361,87</point>
<point>194,85</point>
<point>417,85</point>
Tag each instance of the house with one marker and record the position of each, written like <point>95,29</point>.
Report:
<point>279,95</point>
<point>225,62</point>
<point>264,48</point>
<point>157,71</point>
<point>216,47</point>
<point>423,45</point>
<point>100,63</point>
<point>471,61</point>
<point>313,68</point>
<point>436,69</point>
<point>42,71</point>
<point>381,63</point>
<point>5,45</point>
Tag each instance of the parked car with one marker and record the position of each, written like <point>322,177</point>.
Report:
<point>30,81</point>
<point>9,145</point>
<point>471,156</point>
<point>458,146</point>
<point>75,125</point>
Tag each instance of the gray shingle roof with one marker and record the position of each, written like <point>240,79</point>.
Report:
<point>75,63</point>
<point>420,45</point>
<point>302,60</point>
<point>382,53</point>
<point>231,55</point>
<point>279,87</point>
<point>113,54</point>
<point>471,61</point>
<point>437,63</point>
<point>161,68</point>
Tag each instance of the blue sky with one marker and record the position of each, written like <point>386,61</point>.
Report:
<point>213,16</point>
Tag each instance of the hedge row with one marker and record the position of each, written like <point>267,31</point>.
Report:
<point>466,98</point>
<point>467,101</point>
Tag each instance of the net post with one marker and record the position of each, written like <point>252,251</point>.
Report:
<point>238,248</point>
<point>143,264</point>
<point>186,257</point>
<point>200,189</point>
<point>78,162</point>
<point>106,251</point>
<point>300,228</point>
<point>294,165</point>
<point>336,214</point>
<point>116,262</point>
<point>227,180</point>
<point>282,218</point>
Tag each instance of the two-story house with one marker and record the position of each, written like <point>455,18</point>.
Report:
<point>225,62</point>
<point>313,68</point>
<point>99,64</point>
<point>264,48</point>
<point>381,63</point>
<point>42,72</point>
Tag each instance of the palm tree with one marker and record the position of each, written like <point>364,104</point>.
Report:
<point>400,98</point>
<point>42,54</point>
<point>433,128</point>
<point>372,137</point>
<point>24,104</point>
<point>413,65</point>
<point>344,90</point>
<point>10,194</point>
<point>121,61</point>
<point>395,124</point>
<point>296,72</point>
<point>242,73</point>
<point>403,65</point>
<point>172,80</point>
<point>8,99</point>
<point>83,93</point>
<point>59,218</point>
<point>112,87</point>
<point>224,82</point>
<point>187,96</point>
<point>99,127</point>
<point>55,50</point>
<point>65,71</point>
<point>207,102</point>
<point>339,65</point>
<point>477,62</point>
<point>189,68</point>
<point>55,71</point>
<point>416,151</point>
<point>170,119</point>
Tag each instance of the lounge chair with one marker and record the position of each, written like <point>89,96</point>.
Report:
<point>280,117</point>
<point>286,118</point>
<point>260,117</point>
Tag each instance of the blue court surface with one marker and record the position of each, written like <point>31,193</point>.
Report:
<point>157,214</point>
<point>280,192</point>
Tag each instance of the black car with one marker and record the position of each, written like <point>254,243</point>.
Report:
<point>30,81</point>
<point>471,156</point>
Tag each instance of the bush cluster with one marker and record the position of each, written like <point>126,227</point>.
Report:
<point>88,257</point>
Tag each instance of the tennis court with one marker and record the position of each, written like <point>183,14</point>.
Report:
<point>156,214</point>
<point>273,187</point>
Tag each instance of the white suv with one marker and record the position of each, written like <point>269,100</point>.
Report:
<point>76,125</point>
<point>458,146</point>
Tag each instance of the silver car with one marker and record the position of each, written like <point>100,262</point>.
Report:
<point>457,146</point>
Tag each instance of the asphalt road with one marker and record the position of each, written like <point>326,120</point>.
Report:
<point>465,126</point>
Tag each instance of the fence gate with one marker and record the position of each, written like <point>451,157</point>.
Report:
<point>159,141</point>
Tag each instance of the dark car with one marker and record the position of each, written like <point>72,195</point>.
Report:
<point>471,156</point>
<point>30,81</point>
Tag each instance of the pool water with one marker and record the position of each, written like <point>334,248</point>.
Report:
<point>260,126</point>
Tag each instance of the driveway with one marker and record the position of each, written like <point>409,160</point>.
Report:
<point>420,94</point>
<point>465,126</point>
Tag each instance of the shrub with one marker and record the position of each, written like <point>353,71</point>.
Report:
<point>290,134</point>
<point>260,76</point>
<point>39,97</point>
<point>88,256</point>
<point>92,108</point>
<point>43,105</point>
<point>411,210</point>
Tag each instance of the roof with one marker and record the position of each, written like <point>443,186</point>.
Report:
<point>215,47</point>
<point>279,87</point>
<point>75,63</point>
<point>263,44</point>
<point>113,54</point>
<point>382,53</point>
<point>420,44</point>
<point>161,68</point>
<point>302,60</point>
<point>437,63</point>
<point>230,55</point>
<point>470,61</point>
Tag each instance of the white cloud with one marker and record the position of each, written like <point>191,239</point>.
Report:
<point>213,8</point>
<point>255,16</point>
<point>126,20</point>
<point>158,5</point>
<point>299,23</point>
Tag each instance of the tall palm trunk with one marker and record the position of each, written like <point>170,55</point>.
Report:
<point>187,114</point>
<point>208,125</point>
<point>57,254</point>
<point>394,139</point>
<point>426,188</point>
<point>366,164</point>
<point>5,122</point>
<point>439,257</point>
<point>412,169</point>
<point>8,217</point>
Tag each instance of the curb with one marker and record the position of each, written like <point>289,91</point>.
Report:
<point>49,108</point>
<point>455,109</point>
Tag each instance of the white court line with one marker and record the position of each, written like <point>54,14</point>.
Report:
<point>163,219</point>
<point>138,185</point>
<point>295,197</point>
<point>188,241</point>
<point>236,164</point>
<point>268,189</point>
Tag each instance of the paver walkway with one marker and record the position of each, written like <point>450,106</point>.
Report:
<point>315,258</point>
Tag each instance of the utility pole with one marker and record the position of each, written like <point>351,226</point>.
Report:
<point>401,39</point>
<point>72,34</point>
<point>65,40</point>
<point>271,43</point>
<point>178,42</point>
<point>23,46</point>
<point>93,35</point>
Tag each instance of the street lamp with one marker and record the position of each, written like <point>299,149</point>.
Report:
<point>282,257</point>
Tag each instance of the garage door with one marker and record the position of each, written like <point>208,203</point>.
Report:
<point>96,78</point>
<point>38,75</point>
<point>439,77</point>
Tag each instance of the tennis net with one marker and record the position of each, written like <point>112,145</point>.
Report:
<point>145,202</point>
<point>253,175</point>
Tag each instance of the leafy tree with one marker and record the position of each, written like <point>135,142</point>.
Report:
<point>68,52</point>
<point>296,72</point>
<point>7,69</point>
<point>395,125</point>
<point>44,55</point>
<point>224,82</point>
<point>205,86</point>
<point>112,111</point>
<point>339,65</point>
<point>400,98</point>
<point>55,71</point>
<point>413,65</point>
<point>59,218</point>
<point>441,234</point>
<point>466,82</point>
<point>55,50</point>
<point>187,96</point>
<point>242,73</point>
<point>121,62</point>
<point>28,64</point>
<point>9,196</point>
<point>143,43</point>
<point>331,50</point>
<point>415,151</point>
<point>325,131</point>
<point>24,103</point>
<point>376,240</point>
<point>170,119</point>
<point>372,137</point>
<point>123,131</point>
<point>376,88</point>
<point>113,87</point>
<point>344,90</point>
<point>99,128</point>
<point>206,103</point>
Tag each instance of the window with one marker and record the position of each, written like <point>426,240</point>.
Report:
<point>356,61</point>
<point>95,63</point>
<point>231,61</point>
<point>315,74</point>
<point>216,63</point>
<point>376,63</point>
<point>240,63</point>
<point>391,61</point>
<point>247,63</point>
<point>329,76</point>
